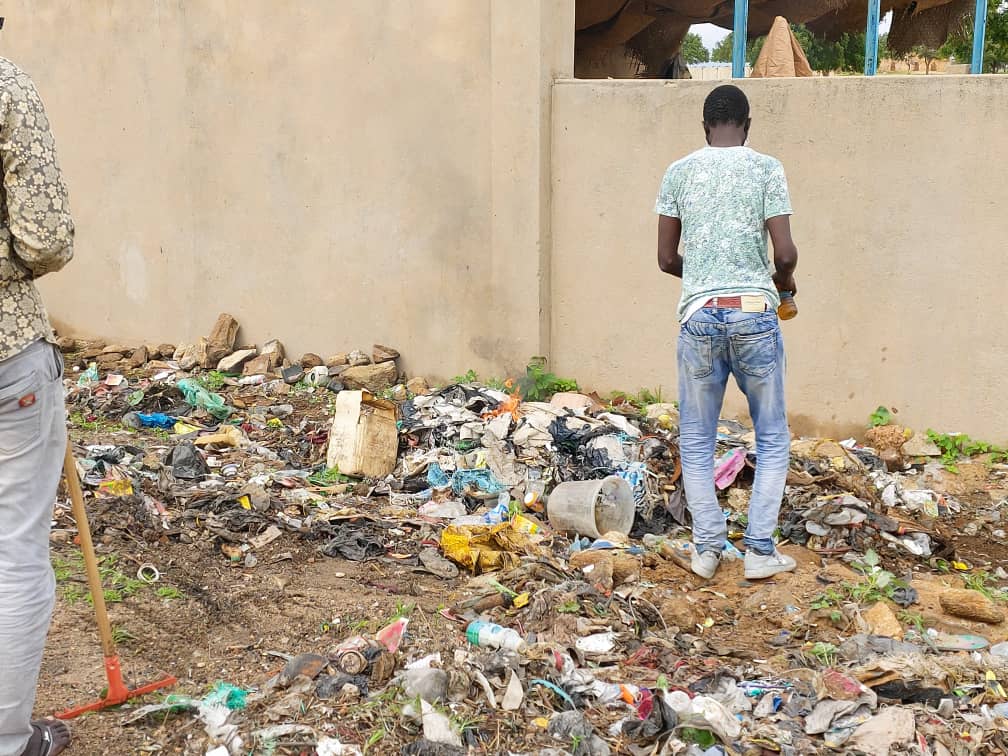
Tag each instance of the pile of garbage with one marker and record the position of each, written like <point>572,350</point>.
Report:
<point>566,523</point>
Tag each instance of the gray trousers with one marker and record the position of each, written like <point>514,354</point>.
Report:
<point>32,444</point>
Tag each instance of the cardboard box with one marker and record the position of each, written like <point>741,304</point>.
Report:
<point>363,440</point>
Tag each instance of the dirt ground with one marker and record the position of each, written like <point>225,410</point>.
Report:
<point>229,623</point>
<point>211,618</point>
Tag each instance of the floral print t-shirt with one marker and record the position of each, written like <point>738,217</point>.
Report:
<point>723,197</point>
<point>36,231</point>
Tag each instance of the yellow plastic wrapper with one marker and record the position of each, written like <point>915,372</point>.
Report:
<point>486,548</point>
<point>113,488</point>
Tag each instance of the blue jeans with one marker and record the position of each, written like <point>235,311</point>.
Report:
<point>712,344</point>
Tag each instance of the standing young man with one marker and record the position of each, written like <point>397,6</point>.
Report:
<point>719,203</point>
<point>36,237</point>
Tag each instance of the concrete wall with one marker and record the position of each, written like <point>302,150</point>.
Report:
<point>901,232</point>
<point>334,174</point>
<point>404,172</point>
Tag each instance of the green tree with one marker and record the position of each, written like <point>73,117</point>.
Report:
<point>960,43</point>
<point>722,50</point>
<point>822,56</point>
<point>927,54</point>
<point>852,48</point>
<point>693,50</point>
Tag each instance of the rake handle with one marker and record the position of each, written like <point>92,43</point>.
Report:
<point>87,549</point>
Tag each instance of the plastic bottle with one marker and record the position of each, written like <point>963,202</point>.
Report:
<point>787,308</point>
<point>489,635</point>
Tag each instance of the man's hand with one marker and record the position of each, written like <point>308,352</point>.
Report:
<point>785,283</point>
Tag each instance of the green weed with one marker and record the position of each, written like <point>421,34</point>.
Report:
<point>826,653</point>
<point>169,592</point>
<point>122,636</point>
<point>571,607</point>
<point>977,581</point>
<point>956,446</point>
<point>539,384</point>
<point>881,416</point>
<point>330,476</point>
<point>914,619</point>
<point>469,376</point>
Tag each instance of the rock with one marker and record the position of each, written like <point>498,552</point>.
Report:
<point>114,349</point>
<point>234,362</point>
<point>882,621</point>
<point>374,378</point>
<point>92,351</point>
<point>381,353</point>
<point>158,365</point>
<point>417,386</point>
<point>971,605</point>
<point>258,365</point>
<point>139,357</point>
<point>677,611</point>
<point>625,567</point>
<point>400,393</point>
<point>104,360</point>
<point>292,374</point>
<point>154,353</point>
<point>196,355</point>
<point>337,360</point>
<point>223,337</point>
<point>919,445</point>
<point>336,370</point>
<point>309,360</point>
<point>275,351</point>
<point>357,358</point>
<point>166,350</point>
<point>66,344</point>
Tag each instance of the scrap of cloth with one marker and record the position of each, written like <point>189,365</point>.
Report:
<point>36,230</point>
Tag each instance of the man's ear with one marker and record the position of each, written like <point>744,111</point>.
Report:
<point>748,123</point>
<point>706,130</point>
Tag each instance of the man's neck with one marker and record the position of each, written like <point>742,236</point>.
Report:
<point>726,137</point>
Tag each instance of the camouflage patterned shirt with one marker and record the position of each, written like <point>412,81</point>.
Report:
<point>723,197</point>
<point>36,231</point>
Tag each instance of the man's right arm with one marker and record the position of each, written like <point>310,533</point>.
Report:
<point>785,252</point>
<point>38,213</point>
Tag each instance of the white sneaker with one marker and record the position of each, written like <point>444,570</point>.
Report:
<point>705,563</point>
<point>759,566</point>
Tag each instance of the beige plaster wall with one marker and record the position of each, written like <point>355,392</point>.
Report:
<point>897,186</point>
<point>334,174</point>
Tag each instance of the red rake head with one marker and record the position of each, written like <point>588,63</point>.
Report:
<point>117,693</point>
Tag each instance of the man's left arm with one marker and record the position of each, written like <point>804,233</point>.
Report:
<point>38,212</point>
<point>669,234</point>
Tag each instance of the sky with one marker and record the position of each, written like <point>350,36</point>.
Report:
<point>711,34</point>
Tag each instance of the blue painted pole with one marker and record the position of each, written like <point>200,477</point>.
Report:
<point>979,33</point>
<point>871,39</point>
<point>739,39</point>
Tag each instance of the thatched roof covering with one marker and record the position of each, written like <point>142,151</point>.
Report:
<point>650,31</point>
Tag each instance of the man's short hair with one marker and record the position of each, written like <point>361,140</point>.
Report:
<point>726,104</point>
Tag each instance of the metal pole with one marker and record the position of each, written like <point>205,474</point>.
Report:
<point>738,60</point>
<point>979,33</point>
<point>871,39</point>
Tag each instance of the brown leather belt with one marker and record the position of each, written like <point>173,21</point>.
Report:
<point>726,303</point>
